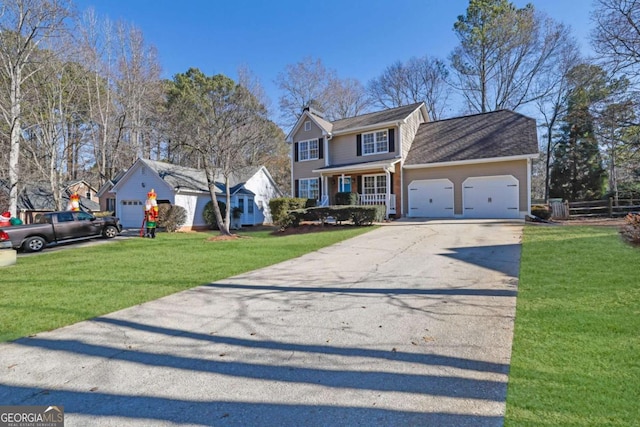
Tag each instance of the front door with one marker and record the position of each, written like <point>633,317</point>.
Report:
<point>344,184</point>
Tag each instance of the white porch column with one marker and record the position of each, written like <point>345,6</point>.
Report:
<point>388,199</point>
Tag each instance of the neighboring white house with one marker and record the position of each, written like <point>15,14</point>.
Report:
<point>251,190</point>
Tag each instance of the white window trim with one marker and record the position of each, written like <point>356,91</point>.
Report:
<point>376,187</point>
<point>375,142</point>
<point>308,150</point>
<point>308,180</point>
<point>307,126</point>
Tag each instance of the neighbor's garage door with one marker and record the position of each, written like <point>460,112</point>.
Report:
<point>131,213</point>
<point>431,198</point>
<point>490,197</point>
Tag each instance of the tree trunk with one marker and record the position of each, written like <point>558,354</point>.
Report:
<point>14,152</point>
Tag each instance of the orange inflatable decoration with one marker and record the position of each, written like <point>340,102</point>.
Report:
<point>151,214</point>
<point>74,202</point>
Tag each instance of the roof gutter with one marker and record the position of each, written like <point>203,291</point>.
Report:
<point>472,161</point>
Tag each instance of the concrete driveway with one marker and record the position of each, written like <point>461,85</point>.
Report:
<point>410,324</point>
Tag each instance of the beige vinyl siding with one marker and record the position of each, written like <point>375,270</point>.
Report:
<point>342,149</point>
<point>409,130</point>
<point>457,175</point>
<point>304,169</point>
<point>302,135</point>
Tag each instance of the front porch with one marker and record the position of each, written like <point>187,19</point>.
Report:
<point>375,184</point>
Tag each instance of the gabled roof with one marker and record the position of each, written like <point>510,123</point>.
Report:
<point>496,134</point>
<point>378,118</point>
<point>388,117</point>
<point>190,179</point>
<point>68,185</point>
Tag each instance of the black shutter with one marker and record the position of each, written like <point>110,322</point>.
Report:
<point>392,140</point>
<point>295,151</point>
<point>391,182</point>
<point>321,148</point>
<point>319,189</point>
<point>360,189</point>
<point>359,144</point>
<point>297,188</point>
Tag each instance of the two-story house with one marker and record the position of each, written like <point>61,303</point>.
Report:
<point>476,166</point>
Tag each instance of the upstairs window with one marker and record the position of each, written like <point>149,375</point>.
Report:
<point>375,142</point>
<point>308,150</point>
<point>307,126</point>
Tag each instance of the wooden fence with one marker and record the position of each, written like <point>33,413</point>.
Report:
<point>597,208</point>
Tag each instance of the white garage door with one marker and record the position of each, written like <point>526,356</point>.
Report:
<point>490,197</point>
<point>131,213</point>
<point>431,198</point>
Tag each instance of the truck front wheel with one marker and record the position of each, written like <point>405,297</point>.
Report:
<point>34,244</point>
<point>110,232</point>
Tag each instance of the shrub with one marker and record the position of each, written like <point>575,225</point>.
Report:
<point>310,203</point>
<point>341,213</point>
<point>631,230</point>
<point>281,206</point>
<point>171,217</point>
<point>102,214</point>
<point>366,215</point>
<point>541,211</point>
<point>346,198</point>
<point>209,215</point>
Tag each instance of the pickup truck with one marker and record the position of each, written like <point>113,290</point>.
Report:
<point>58,227</point>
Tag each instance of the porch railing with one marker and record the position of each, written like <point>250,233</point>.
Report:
<point>379,199</point>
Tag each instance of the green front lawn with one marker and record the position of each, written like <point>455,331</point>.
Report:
<point>50,290</point>
<point>576,350</point>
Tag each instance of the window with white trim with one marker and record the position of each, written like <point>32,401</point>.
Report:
<point>374,184</point>
<point>308,188</point>
<point>307,126</point>
<point>375,142</point>
<point>308,150</point>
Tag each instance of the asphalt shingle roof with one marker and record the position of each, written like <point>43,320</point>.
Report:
<point>370,119</point>
<point>184,178</point>
<point>500,133</point>
<point>38,197</point>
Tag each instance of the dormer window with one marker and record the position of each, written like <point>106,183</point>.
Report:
<point>308,150</point>
<point>307,126</point>
<point>375,142</point>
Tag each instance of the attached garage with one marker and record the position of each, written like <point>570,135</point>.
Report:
<point>431,198</point>
<point>131,213</point>
<point>491,197</point>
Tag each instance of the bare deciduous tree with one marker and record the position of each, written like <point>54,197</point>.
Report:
<point>616,36</point>
<point>309,83</point>
<point>139,91</point>
<point>417,80</point>
<point>552,106</point>
<point>25,27</point>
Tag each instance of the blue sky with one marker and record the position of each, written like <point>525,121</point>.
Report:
<point>357,38</point>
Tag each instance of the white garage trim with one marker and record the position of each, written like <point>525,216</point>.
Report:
<point>491,197</point>
<point>431,198</point>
